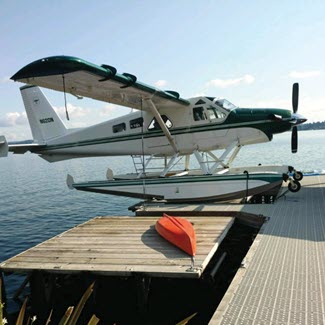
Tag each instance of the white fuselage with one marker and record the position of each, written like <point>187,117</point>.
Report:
<point>126,135</point>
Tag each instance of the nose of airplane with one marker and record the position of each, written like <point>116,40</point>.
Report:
<point>297,119</point>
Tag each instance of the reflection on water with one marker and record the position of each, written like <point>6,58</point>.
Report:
<point>310,155</point>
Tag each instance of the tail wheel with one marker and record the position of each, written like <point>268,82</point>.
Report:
<point>298,176</point>
<point>294,186</point>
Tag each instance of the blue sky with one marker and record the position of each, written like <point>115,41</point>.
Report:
<point>249,52</point>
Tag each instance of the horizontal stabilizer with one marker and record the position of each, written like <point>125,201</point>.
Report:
<point>3,147</point>
<point>17,148</point>
<point>23,148</point>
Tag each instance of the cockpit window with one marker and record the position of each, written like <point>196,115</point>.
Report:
<point>224,103</point>
<point>215,113</point>
<point>198,113</point>
<point>154,125</point>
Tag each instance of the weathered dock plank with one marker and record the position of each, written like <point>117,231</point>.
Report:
<point>120,246</point>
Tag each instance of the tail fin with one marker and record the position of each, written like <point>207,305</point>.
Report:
<point>44,122</point>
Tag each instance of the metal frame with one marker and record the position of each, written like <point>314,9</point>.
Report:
<point>218,161</point>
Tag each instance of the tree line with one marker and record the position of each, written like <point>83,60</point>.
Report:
<point>312,126</point>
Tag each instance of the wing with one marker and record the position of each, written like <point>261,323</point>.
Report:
<point>81,78</point>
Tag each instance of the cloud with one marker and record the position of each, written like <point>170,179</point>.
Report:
<point>82,117</point>
<point>18,134</point>
<point>200,94</point>
<point>74,111</point>
<point>112,111</point>
<point>311,108</point>
<point>304,74</point>
<point>274,103</point>
<point>108,110</point>
<point>224,83</point>
<point>13,119</point>
<point>160,83</point>
<point>4,80</point>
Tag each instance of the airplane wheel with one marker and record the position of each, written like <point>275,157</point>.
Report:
<point>298,176</point>
<point>294,186</point>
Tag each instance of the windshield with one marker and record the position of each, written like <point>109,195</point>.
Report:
<point>224,103</point>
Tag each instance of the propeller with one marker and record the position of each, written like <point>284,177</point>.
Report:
<point>295,97</point>
<point>294,140</point>
<point>294,134</point>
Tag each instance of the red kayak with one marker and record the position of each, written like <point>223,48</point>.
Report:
<point>177,231</point>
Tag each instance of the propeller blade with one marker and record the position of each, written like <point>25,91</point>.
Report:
<point>294,140</point>
<point>295,97</point>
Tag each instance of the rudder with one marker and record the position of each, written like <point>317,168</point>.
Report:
<point>44,122</point>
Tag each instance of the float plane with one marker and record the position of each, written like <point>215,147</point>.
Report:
<point>162,125</point>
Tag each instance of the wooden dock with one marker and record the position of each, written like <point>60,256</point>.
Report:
<point>121,246</point>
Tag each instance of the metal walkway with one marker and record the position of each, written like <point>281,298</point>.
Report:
<point>283,280</point>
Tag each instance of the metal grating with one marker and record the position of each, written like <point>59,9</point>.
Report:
<point>284,282</point>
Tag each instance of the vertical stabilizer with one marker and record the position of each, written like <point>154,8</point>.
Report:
<point>44,122</point>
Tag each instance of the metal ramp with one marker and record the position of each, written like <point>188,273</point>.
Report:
<point>283,278</point>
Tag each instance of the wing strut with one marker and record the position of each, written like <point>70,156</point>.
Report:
<point>220,161</point>
<point>164,128</point>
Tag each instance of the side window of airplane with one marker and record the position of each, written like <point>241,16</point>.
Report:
<point>198,113</point>
<point>214,113</point>
<point>154,125</point>
<point>119,127</point>
<point>136,123</point>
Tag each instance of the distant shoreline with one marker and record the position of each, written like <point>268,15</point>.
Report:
<point>312,126</point>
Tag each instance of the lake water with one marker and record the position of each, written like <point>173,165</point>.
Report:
<point>35,203</point>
